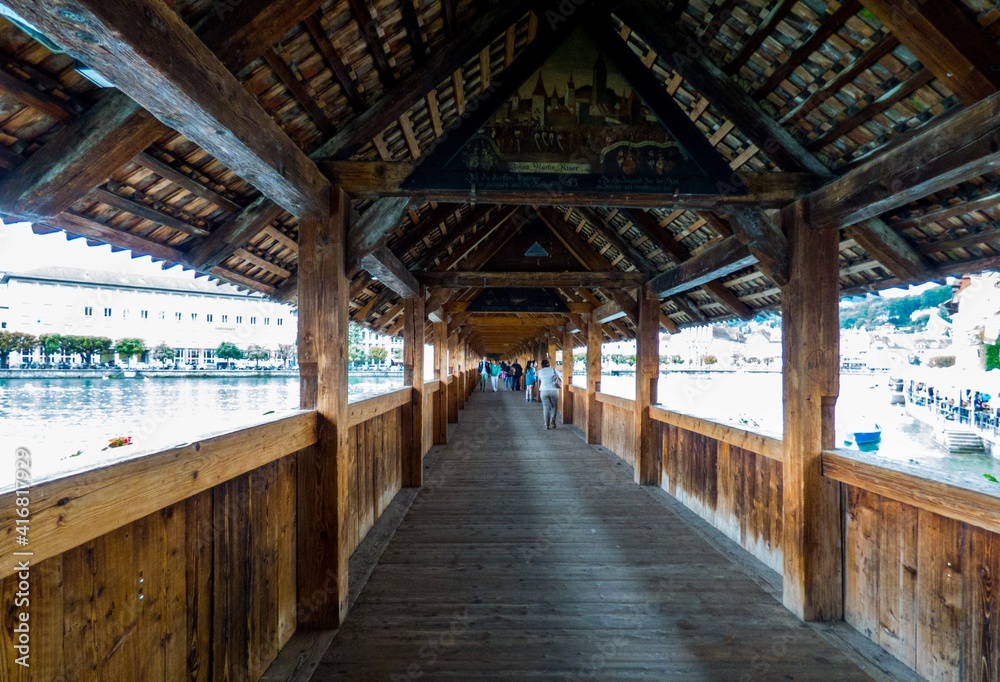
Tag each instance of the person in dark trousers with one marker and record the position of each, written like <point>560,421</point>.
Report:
<point>518,373</point>
<point>484,373</point>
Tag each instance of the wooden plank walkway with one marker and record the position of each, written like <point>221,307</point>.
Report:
<point>529,554</point>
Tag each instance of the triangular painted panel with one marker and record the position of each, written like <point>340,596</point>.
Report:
<point>575,125</point>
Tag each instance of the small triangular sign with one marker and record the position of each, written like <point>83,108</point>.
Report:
<point>536,250</point>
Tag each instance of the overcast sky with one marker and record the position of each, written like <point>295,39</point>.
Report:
<point>21,249</point>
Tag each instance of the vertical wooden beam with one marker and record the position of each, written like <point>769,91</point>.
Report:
<point>567,375</point>
<point>323,552</point>
<point>812,546</point>
<point>595,336</point>
<point>552,350</point>
<point>441,375</point>
<point>413,375</point>
<point>647,372</point>
<point>452,346</point>
<point>463,351</point>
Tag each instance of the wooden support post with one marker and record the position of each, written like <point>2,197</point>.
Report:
<point>812,546</point>
<point>441,375</point>
<point>567,376</point>
<point>452,346</point>
<point>537,345</point>
<point>647,374</point>
<point>413,375</point>
<point>595,336</point>
<point>323,552</point>
<point>461,374</point>
<point>551,350</point>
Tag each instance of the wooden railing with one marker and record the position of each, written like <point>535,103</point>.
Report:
<point>182,563</point>
<point>922,560</point>
<point>729,476</point>
<point>183,560</point>
<point>921,552</point>
<point>618,426</point>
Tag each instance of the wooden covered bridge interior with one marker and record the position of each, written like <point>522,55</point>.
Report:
<point>404,164</point>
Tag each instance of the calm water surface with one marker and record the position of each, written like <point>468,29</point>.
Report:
<point>58,418</point>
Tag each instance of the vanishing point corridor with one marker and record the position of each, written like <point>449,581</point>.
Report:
<point>531,555</point>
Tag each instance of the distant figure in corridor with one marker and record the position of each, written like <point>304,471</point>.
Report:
<point>518,373</point>
<point>548,388</point>
<point>495,375</point>
<point>529,381</point>
<point>484,371</point>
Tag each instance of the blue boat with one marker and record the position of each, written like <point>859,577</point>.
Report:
<point>866,437</point>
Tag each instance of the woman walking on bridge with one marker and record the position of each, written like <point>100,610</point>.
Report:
<point>548,388</point>
<point>529,381</point>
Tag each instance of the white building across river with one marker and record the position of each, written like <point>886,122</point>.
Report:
<point>191,316</point>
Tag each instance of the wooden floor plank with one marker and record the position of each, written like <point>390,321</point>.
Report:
<point>528,554</point>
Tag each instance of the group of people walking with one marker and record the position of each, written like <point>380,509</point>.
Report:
<point>540,384</point>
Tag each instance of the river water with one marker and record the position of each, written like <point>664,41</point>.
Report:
<point>67,423</point>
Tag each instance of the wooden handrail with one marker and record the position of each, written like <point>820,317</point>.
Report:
<point>67,512</point>
<point>363,410</point>
<point>766,446</point>
<point>951,500</point>
<point>432,386</point>
<point>577,389</point>
<point>616,401</point>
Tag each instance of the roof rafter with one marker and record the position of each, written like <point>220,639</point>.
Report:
<point>157,60</point>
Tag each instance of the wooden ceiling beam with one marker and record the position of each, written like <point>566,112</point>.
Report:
<point>965,146</point>
<point>298,90</point>
<point>624,246</point>
<point>500,228</point>
<point>887,100</point>
<point>141,210</point>
<point>715,262</point>
<point>384,266</point>
<point>988,236</point>
<point>412,22</point>
<point>373,179</point>
<point>152,56</point>
<point>585,253</point>
<point>340,71</point>
<point>240,31</point>
<point>946,41</point>
<point>262,263</point>
<point>890,249</point>
<point>91,229</point>
<point>989,200</point>
<point>168,172</point>
<point>370,33</point>
<point>828,26</point>
<point>766,28</point>
<point>439,67</point>
<point>725,94</point>
<point>234,233</point>
<point>369,232</point>
<point>662,238</point>
<point>766,242</point>
<point>867,60</point>
<point>81,156</point>
<point>532,280</point>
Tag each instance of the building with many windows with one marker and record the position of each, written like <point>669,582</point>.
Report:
<point>191,316</point>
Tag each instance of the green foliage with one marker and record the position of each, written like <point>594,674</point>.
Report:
<point>164,353</point>
<point>874,311</point>
<point>677,359</point>
<point>378,354</point>
<point>257,353</point>
<point>89,346</point>
<point>50,343</point>
<point>130,348</point>
<point>942,361</point>
<point>992,356</point>
<point>14,342</point>
<point>228,351</point>
<point>355,351</point>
